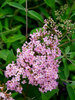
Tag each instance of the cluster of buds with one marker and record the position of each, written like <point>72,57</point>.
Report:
<point>63,22</point>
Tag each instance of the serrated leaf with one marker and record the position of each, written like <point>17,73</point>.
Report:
<point>35,15</point>
<point>16,5</point>
<point>70,92</point>
<point>66,69</point>
<point>48,95</point>
<point>50,3</point>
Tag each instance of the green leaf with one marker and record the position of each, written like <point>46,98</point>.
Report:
<point>4,54</point>
<point>72,55</point>
<point>14,94</point>
<point>61,75</point>
<point>4,4</point>
<point>73,83</point>
<point>3,37</point>
<point>48,95</point>
<point>13,30</point>
<point>50,3</point>
<point>71,67</point>
<point>6,24</point>
<point>3,13</point>
<point>73,15</point>
<point>1,26</point>
<point>11,57</point>
<point>15,38</point>
<point>73,43</point>
<point>20,19</point>
<point>1,73</point>
<point>73,36</point>
<point>44,11</point>
<point>58,57</point>
<point>66,69</point>
<point>68,12</point>
<point>67,50</point>
<point>70,92</point>
<point>73,6</point>
<point>16,5</point>
<point>22,1</point>
<point>58,1</point>
<point>35,15</point>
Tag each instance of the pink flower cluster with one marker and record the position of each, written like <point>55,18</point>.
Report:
<point>36,62</point>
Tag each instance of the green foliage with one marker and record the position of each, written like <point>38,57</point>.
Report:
<point>49,95</point>
<point>10,57</point>
<point>16,5</point>
<point>50,3</point>
<point>1,73</point>
<point>71,92</point>
<point>4,54</point>
<point>66,70</point>
<point>12,36</point>
<point>35,15</point>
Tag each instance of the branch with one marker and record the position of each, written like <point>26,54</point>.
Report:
<point>36,6</point>
<point>66,42</point>
<point>26,20</point>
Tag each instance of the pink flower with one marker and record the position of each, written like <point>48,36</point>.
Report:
<point>36,62</point>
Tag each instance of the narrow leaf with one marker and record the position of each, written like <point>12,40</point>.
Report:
<point>67,50</point>
<point>15,38</point>
<point>10,57</point>
<point>59,57</point>
<point>16,5</point>
<point>50,3</point>
<point>71,92</point>
<point>66,70</point>
<point>35,15</point>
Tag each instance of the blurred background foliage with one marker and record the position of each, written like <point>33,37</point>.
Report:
<point>12,36</point>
